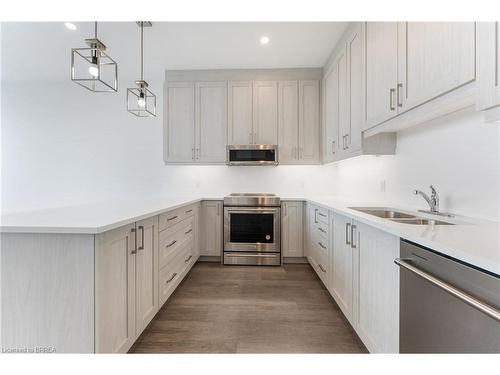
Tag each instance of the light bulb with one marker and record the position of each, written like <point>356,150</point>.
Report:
<point>94,70</point>
<point>264,40</point>
<point>141,102</point>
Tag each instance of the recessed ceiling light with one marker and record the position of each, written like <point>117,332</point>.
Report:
<point>264,40</point>
<point>70,26</point>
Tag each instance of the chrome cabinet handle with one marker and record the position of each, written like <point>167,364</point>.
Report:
<point>346,141</point>
<point>188,259</point>
<point>467,298</point>
<point>320,244</point>
<point>171,244</point>
<point>347,227</point>
<point>173,277</point>
<point>172,218</point>
<point>188,211</point>
<point>321,230</point>
<point>134,250</point>
<point>400,88</point>
<point>315,216</point>
<point>192,153</point>
<point>353,229</point>
<point>321,214</point>
<point>197,153</point>
<point>188,231</point>
<point>391,99</point>
<point>333,147</point>
<point>141,228</point>
<point>321,267</point>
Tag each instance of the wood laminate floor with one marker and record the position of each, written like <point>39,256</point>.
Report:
<point>238,309</point>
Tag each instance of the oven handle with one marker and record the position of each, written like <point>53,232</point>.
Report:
<point>467,298</point>
<point>251,255</point>
<point>253,209</point>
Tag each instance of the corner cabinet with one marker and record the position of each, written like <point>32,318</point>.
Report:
<point>344,102</point>
<point>126,284</point>
<point>488,65</point>
<point>196,122</point>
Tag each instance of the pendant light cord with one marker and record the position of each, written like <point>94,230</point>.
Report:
<point>142,50</point>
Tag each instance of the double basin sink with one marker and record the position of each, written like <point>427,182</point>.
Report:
<point>398,216</point>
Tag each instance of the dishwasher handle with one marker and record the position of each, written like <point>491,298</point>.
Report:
<point>467,298</point>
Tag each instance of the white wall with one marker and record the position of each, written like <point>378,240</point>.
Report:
<point>62,145</point>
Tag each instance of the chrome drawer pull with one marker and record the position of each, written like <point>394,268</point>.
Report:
<point>188,211</point>
<point>347,226</point>
<point>322,269</point>
<point>321,230</point>
<point>320,244</point>
<point>188,259</point>
<point>172,218</point>
<point>171,243</point>
<point>467,298</point>
<point>173,277</point>
<point>188,231</point>
<point>321,214</point>
<point>353,229</point>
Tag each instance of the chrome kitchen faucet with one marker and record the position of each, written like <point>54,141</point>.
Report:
<point>433,202</point>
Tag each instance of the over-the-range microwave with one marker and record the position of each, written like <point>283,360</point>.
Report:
<point>252,155</point>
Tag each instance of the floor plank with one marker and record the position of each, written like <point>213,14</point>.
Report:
<point>238,309</point>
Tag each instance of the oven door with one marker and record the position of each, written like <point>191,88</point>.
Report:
<point>252,229</point>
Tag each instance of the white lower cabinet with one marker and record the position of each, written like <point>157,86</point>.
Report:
<point>211,228</point>
<point>126,275</point>
<point>356,263</point>
<point>292,229</point>
<point>377,289</point>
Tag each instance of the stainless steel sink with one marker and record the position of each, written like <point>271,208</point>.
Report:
<point>384,213</point>
<point>421,221</point>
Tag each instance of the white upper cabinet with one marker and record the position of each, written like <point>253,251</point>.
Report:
<point>355,73</point>
<point>240,113</point>
<point>381,71</point>
<point>265,112</point>
<point>309,117</point>
<point>298,117</point>
<point>330,114</point>
<point>435,57</point>
<point>288,121</point>
<point>488,65</point>
<point>211,121</point>
<point>179,135</point>
<point>343,100</point>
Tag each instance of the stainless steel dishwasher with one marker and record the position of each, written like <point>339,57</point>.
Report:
<point>446,306</point>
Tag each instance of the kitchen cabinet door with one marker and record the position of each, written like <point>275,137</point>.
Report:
<point>343,265</point>
<point>180,122</point>
<point>377,321</point>
<point>488,64</point>
<point>115,290</point>
<point>381,72</point>
<point>265,112</point>
<point>343,100</point>
<point>211,121</point>
<point>309,146</point>
<point>146,272</point>
<point>355,74</point>
<point>212,214</point>
<point>291,229</point>
<point>288,121</point>
<point>240,113</point>
<point>330,114</point>
<point>435,58</point>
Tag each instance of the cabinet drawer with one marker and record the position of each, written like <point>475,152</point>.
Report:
<point>169,219</point>
<point>174,238</point>
<point>172,274</point>
<point>322,215</point>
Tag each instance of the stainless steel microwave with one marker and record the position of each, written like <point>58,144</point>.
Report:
<point>252,155</point>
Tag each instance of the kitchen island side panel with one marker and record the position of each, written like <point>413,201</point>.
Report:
<point>47,292</point>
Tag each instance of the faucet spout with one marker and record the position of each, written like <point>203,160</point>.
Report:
<point>426,197</point>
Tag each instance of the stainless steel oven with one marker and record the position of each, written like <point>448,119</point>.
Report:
<point>252,229</point>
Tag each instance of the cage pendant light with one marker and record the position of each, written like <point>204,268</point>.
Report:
<point>140,101</point>
<point>93,68</point>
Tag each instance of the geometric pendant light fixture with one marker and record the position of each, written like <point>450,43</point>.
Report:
<point>93,68</point>
<point>140,101</point>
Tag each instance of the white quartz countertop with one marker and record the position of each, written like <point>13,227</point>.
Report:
<point>473,241</point>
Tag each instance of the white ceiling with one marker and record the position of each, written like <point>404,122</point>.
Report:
<point>38,51</point>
